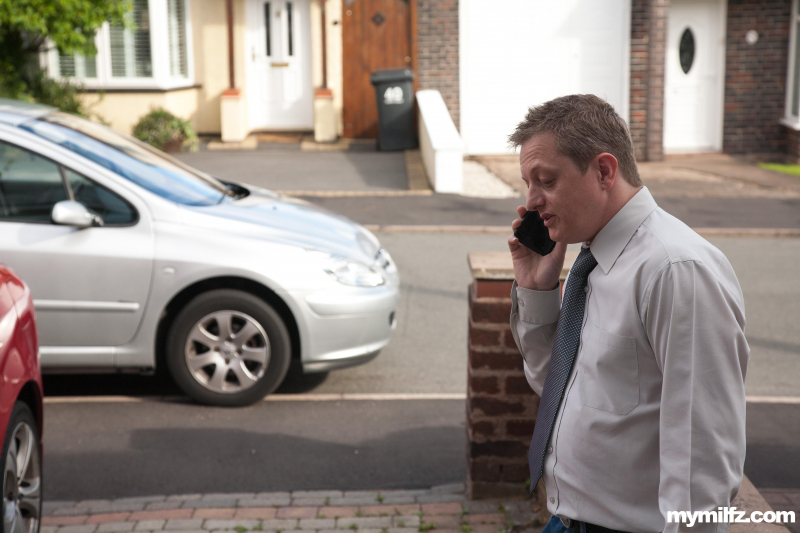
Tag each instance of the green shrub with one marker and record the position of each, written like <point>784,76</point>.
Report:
<point>163,130</point>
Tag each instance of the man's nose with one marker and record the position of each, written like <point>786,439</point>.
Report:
<point>535,198</point>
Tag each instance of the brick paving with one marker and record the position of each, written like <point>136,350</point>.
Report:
<point>441,509</point>
<point>784,500</point>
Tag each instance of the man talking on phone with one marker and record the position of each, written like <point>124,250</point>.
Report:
<point>641,363</point>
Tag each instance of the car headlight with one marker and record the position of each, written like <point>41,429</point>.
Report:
<point>348,271</point>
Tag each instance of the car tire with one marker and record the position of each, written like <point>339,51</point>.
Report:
<point>228,348</point>
<point>22,479</point>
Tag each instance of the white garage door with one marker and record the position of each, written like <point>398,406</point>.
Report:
<point>517,53</point>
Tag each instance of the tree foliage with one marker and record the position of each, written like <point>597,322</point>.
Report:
<point>26,26</point>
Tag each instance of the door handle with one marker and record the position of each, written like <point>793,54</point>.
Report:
<point>254,53</point>
<point>280,64</point>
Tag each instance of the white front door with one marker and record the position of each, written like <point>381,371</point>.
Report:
<point>695,76</point>
<point>279,88</point>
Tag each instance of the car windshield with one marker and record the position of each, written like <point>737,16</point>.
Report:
<point>134,160</point>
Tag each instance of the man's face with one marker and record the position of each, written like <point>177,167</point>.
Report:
<point>570,202</point>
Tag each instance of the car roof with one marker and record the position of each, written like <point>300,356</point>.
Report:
<point>15,112</point>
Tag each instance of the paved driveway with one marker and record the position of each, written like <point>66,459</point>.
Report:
<point>285,167</point>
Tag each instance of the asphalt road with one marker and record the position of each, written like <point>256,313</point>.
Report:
<point>126,449</point>
<point>455,209</point>
<point>115,450</point>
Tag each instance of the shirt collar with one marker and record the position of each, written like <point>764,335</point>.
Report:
<point>609,243</point>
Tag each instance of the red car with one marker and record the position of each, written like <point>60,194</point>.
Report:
<point>21,409</point>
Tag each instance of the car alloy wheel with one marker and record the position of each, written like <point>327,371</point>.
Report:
<point>22,481</point>
<point>227,351</point>
<point>227,347</point>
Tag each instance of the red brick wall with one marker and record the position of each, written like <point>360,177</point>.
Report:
<point>755,76</point>
<point>501,409</point>
<point>437,50</point>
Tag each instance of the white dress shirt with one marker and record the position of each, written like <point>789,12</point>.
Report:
<point>653,414</point>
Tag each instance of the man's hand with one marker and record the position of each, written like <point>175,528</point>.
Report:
<point>531,270</point>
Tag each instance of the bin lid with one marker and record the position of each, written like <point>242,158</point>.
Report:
<point>392,74</point>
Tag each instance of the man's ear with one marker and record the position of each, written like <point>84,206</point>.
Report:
<point>607,170</point>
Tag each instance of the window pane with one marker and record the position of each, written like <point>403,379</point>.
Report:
<point>99,200</point>
<point>30,185</point>
<point>129,158</point>
<point>130,50</point>
<point>178,60</point>
<point>90,66</point>
<point>66,65</point>
<point>77,66</point>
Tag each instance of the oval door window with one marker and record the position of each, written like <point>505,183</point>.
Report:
<point>686,50</point>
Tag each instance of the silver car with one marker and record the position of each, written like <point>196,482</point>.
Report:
<point>135,260</point>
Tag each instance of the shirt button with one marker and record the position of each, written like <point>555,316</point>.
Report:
<point>550,449</point>
<point>586,289</point>
<point>552,500</point>
<point>522,303</point>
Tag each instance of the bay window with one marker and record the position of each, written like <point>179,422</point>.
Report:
<point>125,56</point>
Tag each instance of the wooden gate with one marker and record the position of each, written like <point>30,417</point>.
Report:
<point>376,35</point>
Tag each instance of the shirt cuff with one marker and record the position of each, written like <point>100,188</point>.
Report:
<point>538,307</point>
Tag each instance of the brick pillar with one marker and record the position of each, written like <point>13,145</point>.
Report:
<point>501,407</point>
<point>656,58</point>
<point>648,56</point>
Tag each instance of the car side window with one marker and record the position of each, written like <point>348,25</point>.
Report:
<point>30,185</point>
<point>108,205</point>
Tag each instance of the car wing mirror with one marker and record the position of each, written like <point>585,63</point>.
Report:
<point>71,213</point>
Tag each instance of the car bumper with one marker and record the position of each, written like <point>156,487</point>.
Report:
<point>348,326</point>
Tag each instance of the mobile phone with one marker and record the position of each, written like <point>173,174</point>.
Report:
<point>534,235</point>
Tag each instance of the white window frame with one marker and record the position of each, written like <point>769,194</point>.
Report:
<point>159,40</point>
<point>788,119</point>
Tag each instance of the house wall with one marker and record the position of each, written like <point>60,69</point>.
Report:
<point>437,51</point>
<point>123,110</point>
<point>201,103</point>
<point>755,76</point>
<point>210,34</point>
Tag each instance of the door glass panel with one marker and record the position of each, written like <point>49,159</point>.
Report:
<point>30,185</point>
<point>289,25</point>
<point>686,50</point>
<point>268,26</point>
<point>99,200</point>
<point>796,73</point>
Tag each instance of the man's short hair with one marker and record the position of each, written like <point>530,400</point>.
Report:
<point>583,126</point>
